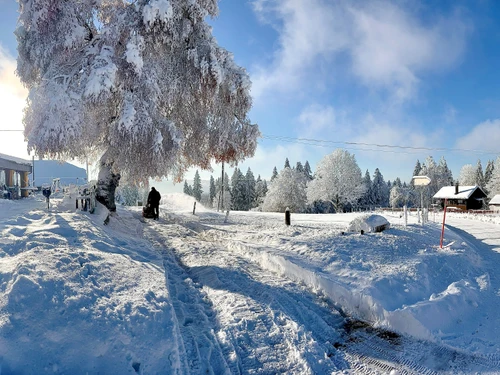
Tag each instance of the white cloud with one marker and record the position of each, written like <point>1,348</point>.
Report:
<point>12,101</point>
<point>387,45</point>
<point>483,137</point>
<point>316,120</point>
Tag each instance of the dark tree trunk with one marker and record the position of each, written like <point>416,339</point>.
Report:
<point>107,184</point>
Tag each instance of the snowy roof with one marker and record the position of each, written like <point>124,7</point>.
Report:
<point>448,192</point>
<point>14,159</point>
<point>495,199</point>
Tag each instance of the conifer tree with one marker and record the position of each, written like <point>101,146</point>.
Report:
<point>275,174</point>
<point>479,175</point>
<point>260,191</point>
<point>299,167</point>
<point>366,199</point>
<point>489,171</point>
<point>416,171</point>
<point>188,189</point>
<point>287,163</point>
<point>197,189</point>
<point>494,183</point>
<point>238,189</point>
<point>380,191</point>
<point>250,190</point>
<point>307,171</point>
<point>444,175</point>
<point>213,191</point>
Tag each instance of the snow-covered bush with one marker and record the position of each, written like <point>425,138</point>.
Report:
<point>288,189</point>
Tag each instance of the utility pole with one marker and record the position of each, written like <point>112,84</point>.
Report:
<point>33,171</point>
<point>221,195</point>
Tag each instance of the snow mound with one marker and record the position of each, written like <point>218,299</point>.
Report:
<point>369,224</point>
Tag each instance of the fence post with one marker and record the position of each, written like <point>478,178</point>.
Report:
<point>287,216</point>
<point>194,208</point>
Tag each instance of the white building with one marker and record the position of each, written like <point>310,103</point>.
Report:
<point>495,203</point>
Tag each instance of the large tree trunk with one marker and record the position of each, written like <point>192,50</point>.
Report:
<point>107,183</point>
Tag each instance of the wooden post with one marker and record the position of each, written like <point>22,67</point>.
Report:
<point>194,207</point>
<point>24,184</point>
<point>287,216</point>
<point>442,229</point>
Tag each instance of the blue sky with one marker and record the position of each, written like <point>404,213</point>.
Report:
<point>353,74</point>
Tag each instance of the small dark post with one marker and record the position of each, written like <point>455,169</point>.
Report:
<point>287,216</point>
<point>194,208</point>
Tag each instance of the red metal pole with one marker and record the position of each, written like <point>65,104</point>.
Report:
<point>444,218</point>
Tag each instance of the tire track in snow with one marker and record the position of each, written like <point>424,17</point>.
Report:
<point>273,324</point>
<point>203,354</point>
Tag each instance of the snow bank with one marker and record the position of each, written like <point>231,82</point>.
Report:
<point>80,298</point>
<point>353,302</point>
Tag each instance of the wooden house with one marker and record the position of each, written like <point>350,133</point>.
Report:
<point>461,197</point>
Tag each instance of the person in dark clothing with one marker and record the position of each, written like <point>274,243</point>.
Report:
<point>154,198</point>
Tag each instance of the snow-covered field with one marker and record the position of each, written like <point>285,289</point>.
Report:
<point>196,294</point>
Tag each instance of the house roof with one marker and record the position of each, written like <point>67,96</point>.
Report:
<point>15,159</point>
<point>464,192</point>
<point>495,199</point>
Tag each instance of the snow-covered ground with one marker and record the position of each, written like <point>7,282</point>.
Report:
<point>199,294</point>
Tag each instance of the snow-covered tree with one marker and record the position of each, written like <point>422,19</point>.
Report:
<point>140,85</point>
<point>299,167</point>
<point>308,171</point>
<point>479,175</point>
<point>212,192</point>
<point>366,199</point>
<point>490,167</point>
<point>249,190</point>
<point>443,175</point>
<point>417,170</point>
<point>238,190</point>
<point>260,191</point>
<point>275,174</point>
<point>286,190</point>
<point>379,190</point>
<point>400,195</point>
<point>129,194</point>
<point>494,183</point>
<point>467,175</point>
<point>223,196</point>
<point>337,180</point>
<point>438,179</point>
<point>287,163</point>
<point>197,189</point>
<point>188,189</point>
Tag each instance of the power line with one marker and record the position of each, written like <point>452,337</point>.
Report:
<point>379,147</point>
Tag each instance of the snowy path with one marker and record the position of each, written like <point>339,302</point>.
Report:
<point>265,323</point>
<point>489,233</point>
